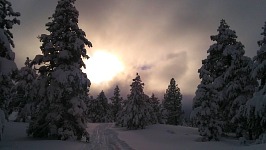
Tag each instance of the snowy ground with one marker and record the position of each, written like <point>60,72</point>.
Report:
<point>107,137</point>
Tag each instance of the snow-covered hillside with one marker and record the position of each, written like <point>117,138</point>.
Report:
<point>106,136</point>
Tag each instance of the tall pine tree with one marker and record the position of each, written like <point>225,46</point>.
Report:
<point>106,112</point>
<point>211,101</point>
<point>7,65</point>
<point>172,103</point>
<point>135,114</point>
<point>237,85</point>
<point>99,109</point>
<point>153,108</point>
<point>94,111</point>
<point>8,18</point>
<point>62,110</point>
<point>155,105</point>
<point>116,101</point>
<point>239,88</point>
<point>256,106</point>
<point>259,60</point>
<point>205,108</point>
<point>23,99</point>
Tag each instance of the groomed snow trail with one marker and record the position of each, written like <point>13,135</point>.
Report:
<point>104,138</point>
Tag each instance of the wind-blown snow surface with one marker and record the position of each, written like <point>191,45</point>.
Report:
<point>107,137</point>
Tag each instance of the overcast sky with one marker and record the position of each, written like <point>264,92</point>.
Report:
<point>159,39</point>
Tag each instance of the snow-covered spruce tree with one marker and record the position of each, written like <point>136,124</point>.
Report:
<point>259,68</point>
<point>40,85</point>
<point>163,114</point>
<point>256,106</point>
<point>24,96</point>
<point>238,85</point>
<point>225,41</point>
<point>135,114</point>
<point>155,109</point>
<point>172,103</point>
<point>116,102</point>
<point>106,111</point>
<point>7,65</point>
<point>151,115</point>
<point>210,102</point>
<point>7,56</point>
<point>205,106</point>
<point>62,110</point>
<point>239,88</point>
<point>95,110</point>
<point>99,109</point>
<point>120,115</point>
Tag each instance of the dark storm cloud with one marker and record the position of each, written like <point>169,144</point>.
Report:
<point>145,67</point>
<point>160,39</point>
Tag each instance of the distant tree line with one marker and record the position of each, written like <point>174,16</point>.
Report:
<point>139,109</point>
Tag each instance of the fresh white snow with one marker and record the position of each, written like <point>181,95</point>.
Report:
<point>168,137</point>
<point>105,136</point>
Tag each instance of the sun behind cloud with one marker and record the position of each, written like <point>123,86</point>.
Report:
<point>102,67</point>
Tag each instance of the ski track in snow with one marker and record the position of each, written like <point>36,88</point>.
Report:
<point>104,138</point>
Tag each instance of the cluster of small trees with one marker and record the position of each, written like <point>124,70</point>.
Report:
<point>231,95</point>
<point>55,99</point>
<point>99,110</point>
<point>138,110</point>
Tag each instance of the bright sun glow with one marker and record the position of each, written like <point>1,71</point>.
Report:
<point>103,66</point>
